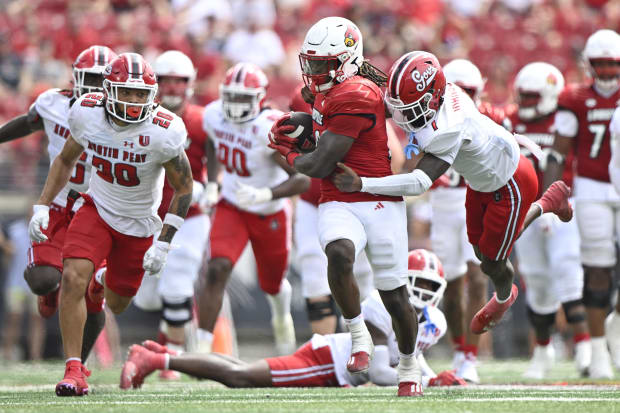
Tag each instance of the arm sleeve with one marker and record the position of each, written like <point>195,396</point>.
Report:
<point>380,372</point>
<point>414,183</point>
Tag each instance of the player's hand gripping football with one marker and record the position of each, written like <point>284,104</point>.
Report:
<point>446,378</point>
<point>348,180</point>
<point>39,222</point>
<point>155,257</point>
<point>277,134</point>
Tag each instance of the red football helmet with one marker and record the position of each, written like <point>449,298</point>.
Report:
<point>88,69</point>
<point>415,90</point>
<point>243,92</point>
<point>130,87</point>
<point>426,278</point>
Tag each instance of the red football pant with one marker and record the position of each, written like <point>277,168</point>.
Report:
<point>307,367</point>
<point>270,236</point>
<point>91,238</point>
<point>494,219</point>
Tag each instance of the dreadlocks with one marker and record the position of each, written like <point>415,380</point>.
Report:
<point>373,73</point>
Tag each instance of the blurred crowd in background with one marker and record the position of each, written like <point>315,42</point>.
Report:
<point>39,39</point>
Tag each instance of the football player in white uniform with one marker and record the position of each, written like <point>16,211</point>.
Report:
<point>548,251</point>
<point>129,141</point>
<point>256,182</point>
<point>320,362</point>
<point>50,112</point>
<point>502,184</point>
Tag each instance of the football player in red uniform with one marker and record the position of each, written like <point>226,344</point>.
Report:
<point>173,291</point>
<point>349,125</point>
<point>548,252</point>
<point>582,123</point>
<point>50,112</point>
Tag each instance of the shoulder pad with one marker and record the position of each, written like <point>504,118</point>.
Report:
<point>355,95</point>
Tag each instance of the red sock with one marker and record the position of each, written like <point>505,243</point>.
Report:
<point>543,342</point>
<point>458,343</point>
<point>91,306</point>
<point>470,349</point>
<point>577,338</point>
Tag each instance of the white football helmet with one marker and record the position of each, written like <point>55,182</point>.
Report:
<point>602,59</point>
<point>537,87</point>
<point>426,278</point>
<point>332,52</point>
<point>174,63</point>
<point>465,74</point>
<point>243,92</point>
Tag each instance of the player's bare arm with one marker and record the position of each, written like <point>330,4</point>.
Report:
<point>179,174</point>
<point>295,184</point>
<point>21,126</point>
<point>555,159</point>
<point>428,169</point>
<point>322,161</point>
<point>60,171</point>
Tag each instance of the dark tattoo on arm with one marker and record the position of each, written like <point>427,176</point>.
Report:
<point>179,175</point>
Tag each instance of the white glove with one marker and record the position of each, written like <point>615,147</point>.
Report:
<point>209,196</point>
<point>547,223</point>
<point>197,191</point>
<point>248,195</point>
<point>39,221</point>
<point>155,257</point>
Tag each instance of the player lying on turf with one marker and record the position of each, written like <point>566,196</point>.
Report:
<point>320,362</point>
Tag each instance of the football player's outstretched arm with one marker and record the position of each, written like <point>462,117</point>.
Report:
<point>295,184</point>
<point>380,372</point>
<point>321,162</point>
<point>179,174</point>
<point>60,171</point>
<point>555,159</point>
<point>428,169</point>
<point>21,126</point>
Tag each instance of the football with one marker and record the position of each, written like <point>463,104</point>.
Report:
<point>302,121</point>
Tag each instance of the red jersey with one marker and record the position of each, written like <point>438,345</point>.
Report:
<point>542,132</point>
<point>355,108</point>
<point>496,114</point>
<point>196,151</point>
<point>298,104</point>
<point>592,138</point>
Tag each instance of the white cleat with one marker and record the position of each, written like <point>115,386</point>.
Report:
<point>284,335</point>
<point>541,363</point>
<point>583,356</point>
<point>457,360</point>
<point>468,371</point>
<point>612,334</point>
<point>600,368</point>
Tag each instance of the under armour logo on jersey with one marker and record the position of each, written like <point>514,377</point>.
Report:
<point>379,206</point>
<point>423,79</point>
<point>130,144</point>
<point>144,140</point>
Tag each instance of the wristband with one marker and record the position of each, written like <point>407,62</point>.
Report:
<point>173,220</point>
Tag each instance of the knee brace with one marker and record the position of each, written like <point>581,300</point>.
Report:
<point>176,313</point>
<point>595,295</point>
<point>321,309</point>
<point>540,321</point>
<point>572,315</point>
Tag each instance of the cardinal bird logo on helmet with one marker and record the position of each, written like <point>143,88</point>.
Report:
<point>350,37</point>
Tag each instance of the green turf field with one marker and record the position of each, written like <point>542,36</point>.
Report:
<point>30,388</point>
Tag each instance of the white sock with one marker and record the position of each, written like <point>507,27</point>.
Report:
<point>204,335</point>
<point>351,322</point>
<point>407,360</point>
<point>280,303</point>
<point>73,359</point>
<point>599,344</point>
<point>167,361</point>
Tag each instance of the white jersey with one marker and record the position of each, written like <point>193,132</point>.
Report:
<point>614,164</point>
<point>243,152</point>
<point>53,107</point>
<point>483,152</point>
<point>431,328</point>
<point>127,186</point>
